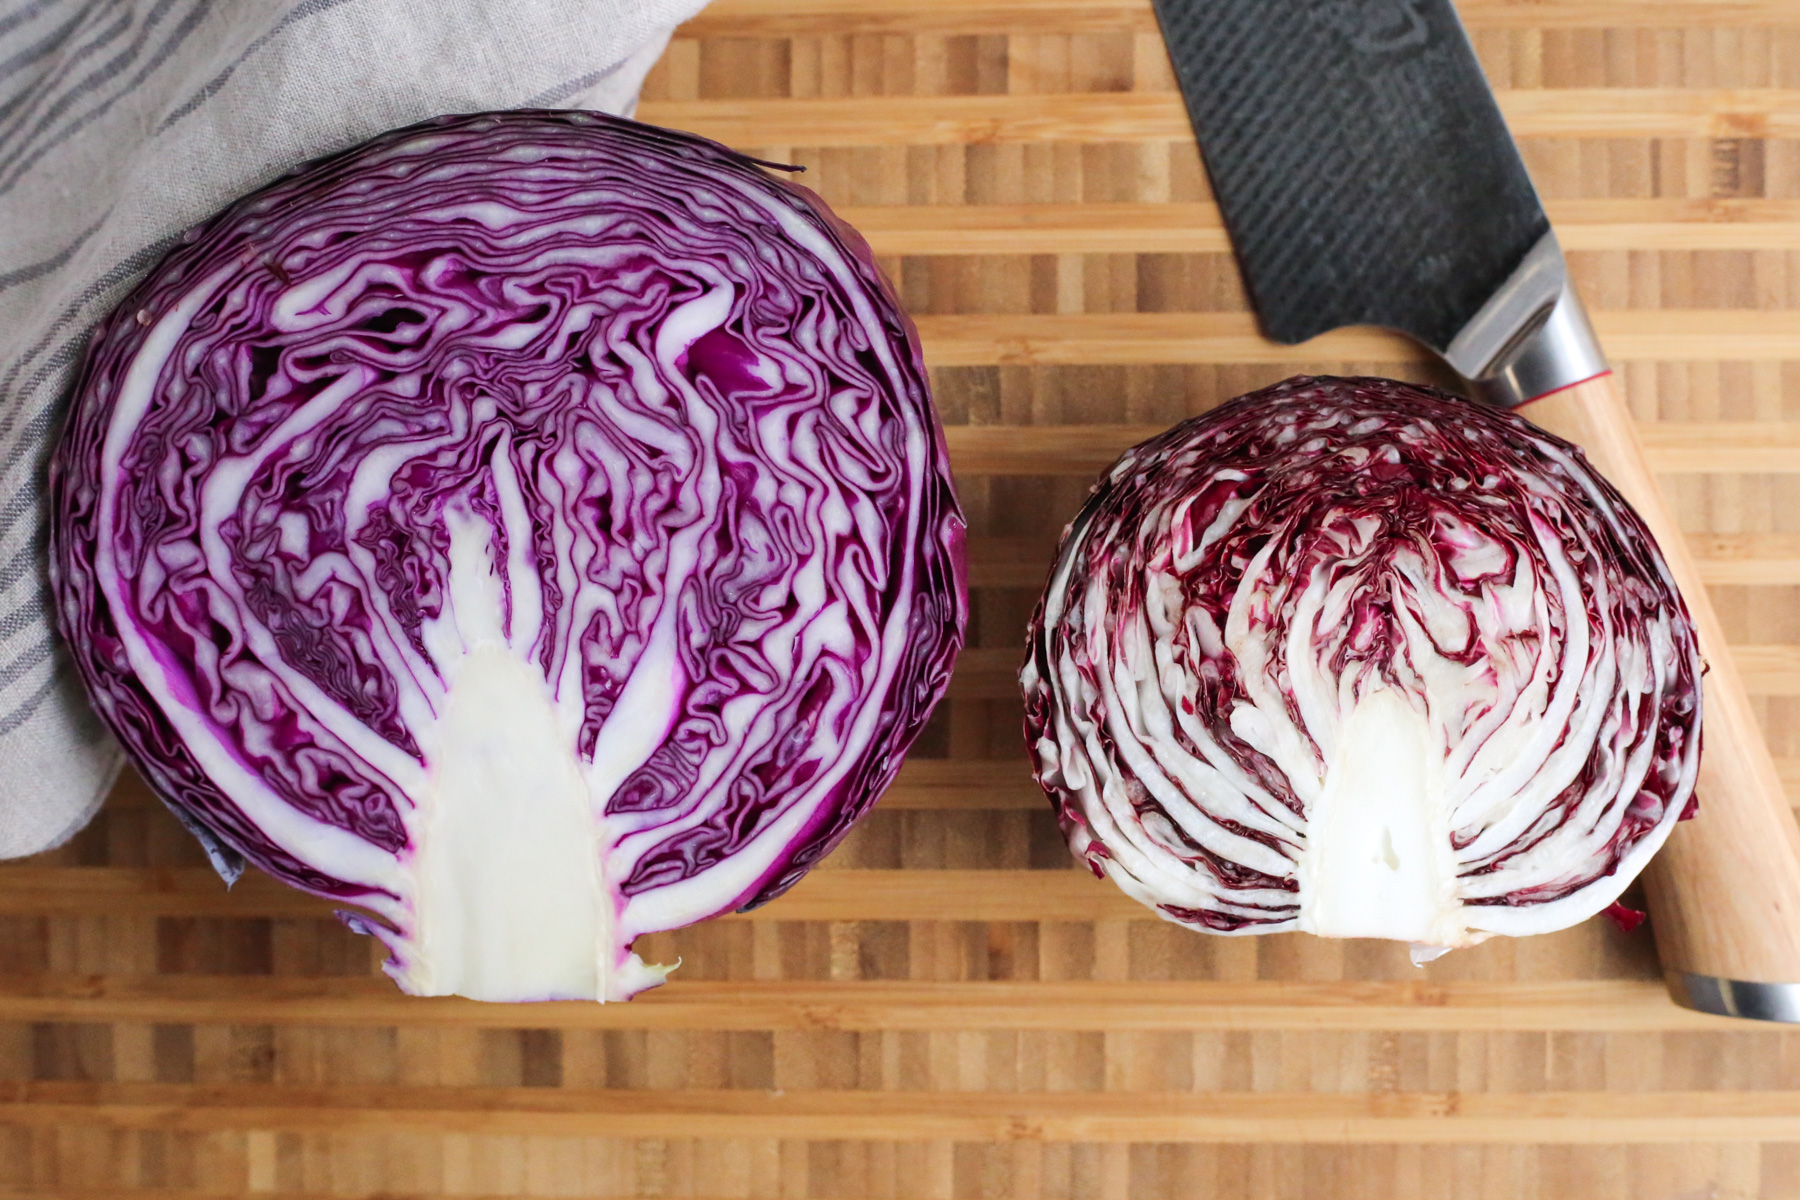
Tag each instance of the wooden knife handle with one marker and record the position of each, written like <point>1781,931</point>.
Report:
<point>1725,891</point>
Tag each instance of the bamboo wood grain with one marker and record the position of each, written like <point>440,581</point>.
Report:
<point>1021,562</point>
<point>8,1192</point>
<point>1766,447</point>
<point>1725,891</point>
<point>1746,558</point>
<point>973,120</point>
<point>1598,1006</point>
<point>825,895</point>
<point>775,18</point>
<point>1129,339</point>
<point>1765,670</point>
<point>988,673</point>
<point>1608,224</point>
<point>1005,783</point>
<point>788,18</point>
<point>1540,1118</point>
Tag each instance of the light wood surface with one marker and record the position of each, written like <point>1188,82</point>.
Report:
<point>840,1115</point>
<point>1127,117</point>
<point>1628,224</point>
<point>948,1009</point>
<point>1609,1006</point>
<point>1231,338</point>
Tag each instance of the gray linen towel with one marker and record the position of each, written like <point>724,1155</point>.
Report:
<point>123,122</point>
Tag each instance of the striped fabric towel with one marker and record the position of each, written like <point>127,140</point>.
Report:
<point>122,122</point>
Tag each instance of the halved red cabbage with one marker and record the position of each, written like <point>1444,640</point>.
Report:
<point>531,527</point>
<point>1363,659</point>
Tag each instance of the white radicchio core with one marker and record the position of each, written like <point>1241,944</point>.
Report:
<point>1363,659</point>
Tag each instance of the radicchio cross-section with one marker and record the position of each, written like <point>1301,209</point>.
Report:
<point>1363,659</point>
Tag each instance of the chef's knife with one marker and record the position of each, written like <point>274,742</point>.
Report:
<point>1367,178</point>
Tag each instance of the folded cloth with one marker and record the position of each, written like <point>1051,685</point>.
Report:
<point>122,123</point>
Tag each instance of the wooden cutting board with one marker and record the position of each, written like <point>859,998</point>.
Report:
<point>948,1008</point>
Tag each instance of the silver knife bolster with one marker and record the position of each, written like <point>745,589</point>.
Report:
<point>1736,997</point>
<point>1532,337</point>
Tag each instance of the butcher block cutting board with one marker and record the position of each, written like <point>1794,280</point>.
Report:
<point>948,1009</point>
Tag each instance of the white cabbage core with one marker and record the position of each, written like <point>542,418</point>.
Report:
<point>508,899</point>
<point>1377,861</point>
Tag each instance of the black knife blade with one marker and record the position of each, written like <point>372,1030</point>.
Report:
<point>1367,177</point>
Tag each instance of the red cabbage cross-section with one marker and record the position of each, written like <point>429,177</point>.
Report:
<point>531,527</point>
<point>1363,659</point>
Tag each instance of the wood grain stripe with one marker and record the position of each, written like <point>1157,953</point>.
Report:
<point>1747,558</point>
<point>1540,1118</point>
<point>1129,339</point>
<point>1632,224</point>
<point>1609,1006</point>
<point>1021,562</point>
<point>824,895</point>
<point>987,673</point>
<point>965,784</point>
<point>789,18</point>
<point>1765,447</point>
<point>987,119</point>
<point>1769,670</point>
